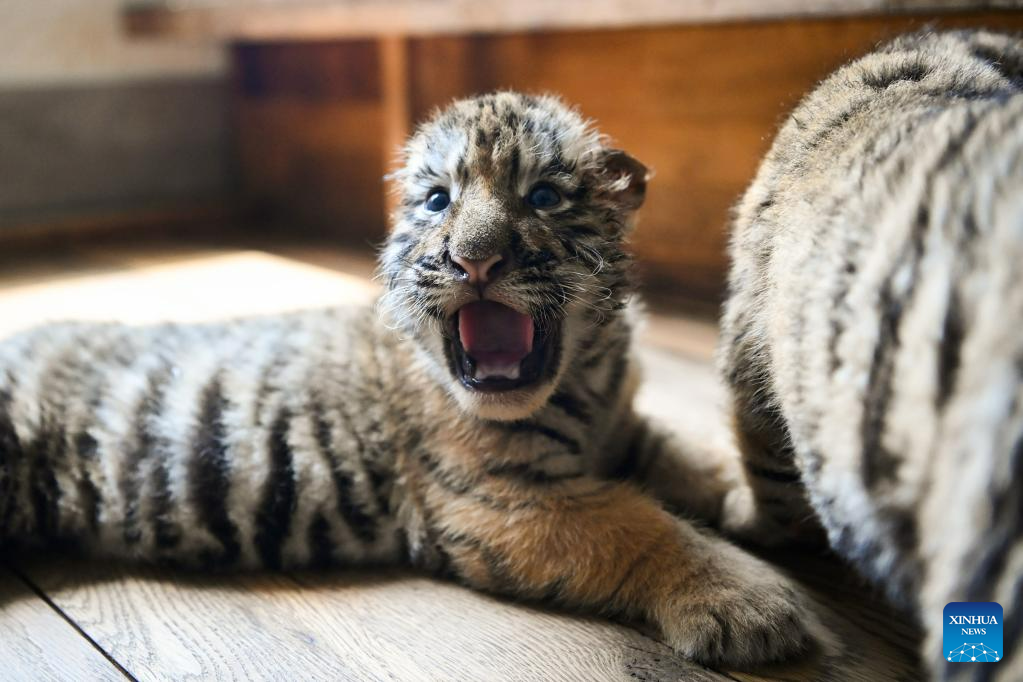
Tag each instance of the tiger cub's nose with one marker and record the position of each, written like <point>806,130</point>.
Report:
<point>477,271</point>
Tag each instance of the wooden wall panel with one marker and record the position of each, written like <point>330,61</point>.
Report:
<point>698,104</point>
<point>309,131</point>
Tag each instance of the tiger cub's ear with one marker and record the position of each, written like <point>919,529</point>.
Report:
<point>622,179</point>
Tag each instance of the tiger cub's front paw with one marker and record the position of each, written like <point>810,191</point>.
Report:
<point>737,611</point>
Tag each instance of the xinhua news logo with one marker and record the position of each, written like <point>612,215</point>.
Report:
<point>973,632</point>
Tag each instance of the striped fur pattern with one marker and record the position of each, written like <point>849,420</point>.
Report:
<point>873,336</point>
<point>341,437</point>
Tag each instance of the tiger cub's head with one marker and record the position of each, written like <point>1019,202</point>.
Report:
<point>506,248</point>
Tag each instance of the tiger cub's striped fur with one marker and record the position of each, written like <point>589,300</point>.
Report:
<point>354,436</point>
<point>873,336</point>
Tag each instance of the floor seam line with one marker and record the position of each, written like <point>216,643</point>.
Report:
<point>67,619</point>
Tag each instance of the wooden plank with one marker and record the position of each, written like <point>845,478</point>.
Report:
<point>164,625</point>
<point>388,624</point>
<point>36,643</point>
<point>346,261</point>
<point>249,20</point>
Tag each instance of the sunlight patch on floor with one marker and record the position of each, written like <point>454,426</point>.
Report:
<point>192,288</point>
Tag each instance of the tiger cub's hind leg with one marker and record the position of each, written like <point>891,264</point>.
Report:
<point>774,507</point>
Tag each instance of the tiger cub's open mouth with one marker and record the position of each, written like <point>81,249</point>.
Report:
<point>494,348</point>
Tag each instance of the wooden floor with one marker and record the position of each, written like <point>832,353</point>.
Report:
<point>66,619</point>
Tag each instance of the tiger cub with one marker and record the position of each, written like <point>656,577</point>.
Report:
<point>873,335</point>
<point>471,424</point>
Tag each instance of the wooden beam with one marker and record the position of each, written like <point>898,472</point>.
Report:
<point>262,20</point>
<point>396,110</point>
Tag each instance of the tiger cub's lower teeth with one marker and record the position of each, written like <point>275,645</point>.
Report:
<point>497,372</point>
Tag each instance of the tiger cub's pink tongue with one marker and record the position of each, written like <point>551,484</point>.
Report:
<point>496,337</point>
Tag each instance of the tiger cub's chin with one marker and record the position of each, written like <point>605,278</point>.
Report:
<point>511,405</point>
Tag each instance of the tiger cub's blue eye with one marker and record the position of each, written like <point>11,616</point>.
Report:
<point>543,196</point>
<point>437,201</point>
